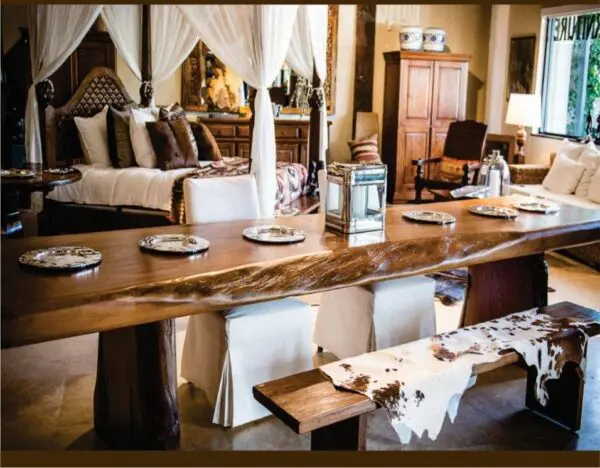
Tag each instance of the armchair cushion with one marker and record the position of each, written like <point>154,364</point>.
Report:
<point>452,170</point>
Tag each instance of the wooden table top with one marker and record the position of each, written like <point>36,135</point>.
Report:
<point>132,287</point>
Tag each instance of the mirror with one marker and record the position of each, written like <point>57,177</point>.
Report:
<point>208,85</point>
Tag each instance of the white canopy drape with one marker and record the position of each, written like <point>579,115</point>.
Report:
<point>124,24</point>
<point>253,40</point>
<point>308,51</point>
<point>173,38</point>
<point>55,32</point>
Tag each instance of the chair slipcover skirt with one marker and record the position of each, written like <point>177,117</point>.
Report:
<point>360,319</point>
<point>227,353</point>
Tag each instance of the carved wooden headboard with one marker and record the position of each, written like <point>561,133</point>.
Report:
<point>99,88</point>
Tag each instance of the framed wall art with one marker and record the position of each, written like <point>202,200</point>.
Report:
<point>521,65</point>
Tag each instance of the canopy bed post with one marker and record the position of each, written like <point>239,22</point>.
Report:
<point>316,118</point>
<point>251,97</point>
<point>45,96</point>
<point>146,90</point>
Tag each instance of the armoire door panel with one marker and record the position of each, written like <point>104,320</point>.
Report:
<point>450,92</point>
<point>438,138</point>
<point>416,85</point>
<point>413,143</point>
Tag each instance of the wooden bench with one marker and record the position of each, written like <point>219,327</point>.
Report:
<point>309,403</point>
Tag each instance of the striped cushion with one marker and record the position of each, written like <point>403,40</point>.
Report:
<point>365,151</point>
<point>452,170</point>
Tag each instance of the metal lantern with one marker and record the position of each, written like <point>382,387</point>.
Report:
<point>356,197</point>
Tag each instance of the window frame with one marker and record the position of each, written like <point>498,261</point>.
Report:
<point>547,15</point>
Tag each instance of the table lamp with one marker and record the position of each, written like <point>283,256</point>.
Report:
<point>524,110</point>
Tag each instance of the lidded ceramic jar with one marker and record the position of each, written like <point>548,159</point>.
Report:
<point>434,40</point>
<point>411,38</point>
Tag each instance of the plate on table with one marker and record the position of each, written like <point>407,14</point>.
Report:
<point>60,170</point>
<point>537,206</point>
<point>287,211</point>
<point>17,173</point>
<point>182,244</point>
<point>434,217</point>
<point>494,211</point>
<point>66,258</point>
<point>274,234</point>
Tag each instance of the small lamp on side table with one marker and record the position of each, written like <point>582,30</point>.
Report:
<point>524,110</point>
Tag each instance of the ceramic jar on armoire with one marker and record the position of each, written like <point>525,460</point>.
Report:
<point>423,93</point>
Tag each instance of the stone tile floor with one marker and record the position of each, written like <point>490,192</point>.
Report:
<point>47,392</point>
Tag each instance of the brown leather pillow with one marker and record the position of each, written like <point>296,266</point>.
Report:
<point>185,138</point>
<point>208,149</point>
<point>168,153</point>
<point>120,149</point>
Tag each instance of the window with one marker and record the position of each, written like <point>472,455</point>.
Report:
<point>571,74</point>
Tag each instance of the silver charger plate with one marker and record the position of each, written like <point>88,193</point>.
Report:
<point>183,244</point>
<point>273,234</point>
<point>536,206</point>
<point>434,217</point>
<point>17,173</point>
<point>494,211</point>
<point>66,258</point>
<point>287,211</point>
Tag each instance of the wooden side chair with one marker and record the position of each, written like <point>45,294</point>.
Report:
<point>458,164</point>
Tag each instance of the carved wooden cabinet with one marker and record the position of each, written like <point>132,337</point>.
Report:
<point>423,93</point>
<point>233,138</point>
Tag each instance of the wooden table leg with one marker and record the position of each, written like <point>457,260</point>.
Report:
<point>344,435</point>
<point>497,289</point>
<point>135,400</point>
<point>565,394</point>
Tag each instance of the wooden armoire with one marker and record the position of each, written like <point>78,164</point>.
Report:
<point>424,92</point>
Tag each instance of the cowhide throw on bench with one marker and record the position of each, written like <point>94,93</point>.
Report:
<point>419,382</point>
<point>292,182</point>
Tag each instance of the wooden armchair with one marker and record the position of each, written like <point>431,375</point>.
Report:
<point>465,142</point>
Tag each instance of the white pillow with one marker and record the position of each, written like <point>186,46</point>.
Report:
<point>570,150</point>
<point>140,138</point>
<point>94,139</point>
<point>594,193</point>
<point>590,158</point>
<point>564,175</point>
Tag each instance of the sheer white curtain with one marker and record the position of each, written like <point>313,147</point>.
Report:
<point>308,50</point>
<point>55,31</point>
<point>124,24</point>
<point>253,40</point>
<point>173,38</point>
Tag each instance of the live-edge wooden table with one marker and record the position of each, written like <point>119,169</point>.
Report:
<point>132,297</point>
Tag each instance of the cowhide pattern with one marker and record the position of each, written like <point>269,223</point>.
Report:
<point>418,383</point>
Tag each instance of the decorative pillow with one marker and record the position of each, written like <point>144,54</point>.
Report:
<point>185,139</point>
<point>174,111</point>
<point>365,151</point>
<point>168,153</point>
<point>140,139</point>
<point>119,140</point>
<point>208,149</point>
<point>590,158</point>
<point>570,150</point>
<point>594,193</point>
<point>93,138</point>
<point>452,170</point>
<point>564,175</point>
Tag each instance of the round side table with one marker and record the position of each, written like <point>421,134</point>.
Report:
<point>13,188</point>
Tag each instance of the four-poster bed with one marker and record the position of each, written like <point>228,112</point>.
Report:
<point>61,145</point>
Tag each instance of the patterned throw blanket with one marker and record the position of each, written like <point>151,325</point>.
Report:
<point>292,182</point>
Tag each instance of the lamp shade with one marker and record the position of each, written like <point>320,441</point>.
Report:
<point>524,109</point>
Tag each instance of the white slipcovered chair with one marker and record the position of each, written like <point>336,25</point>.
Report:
<point>226,353</point>
<point>361,319</point>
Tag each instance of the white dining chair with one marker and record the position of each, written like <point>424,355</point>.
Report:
<point>226,353</point>
<point>361,319</point>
